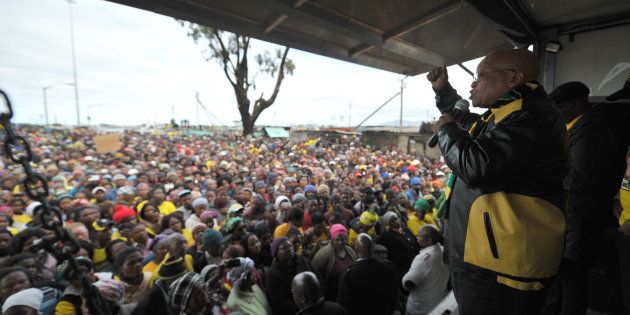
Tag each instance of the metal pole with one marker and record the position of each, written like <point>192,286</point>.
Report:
<point>45,106</point>
<point>374,112</point>
<point>402,87</point>
<point>74,64</point>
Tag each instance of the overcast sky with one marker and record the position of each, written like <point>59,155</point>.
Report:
<point>138,67</point>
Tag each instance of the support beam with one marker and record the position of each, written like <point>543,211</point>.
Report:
<point>280,18</point>
<point>425,20</point>
<point>204,14</point>
<point>362,35</point>
<point>461,65</point>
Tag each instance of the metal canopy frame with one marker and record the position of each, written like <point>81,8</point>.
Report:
<point>402,36</point>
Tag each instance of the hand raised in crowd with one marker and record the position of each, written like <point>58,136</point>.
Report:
<point>438,77</point>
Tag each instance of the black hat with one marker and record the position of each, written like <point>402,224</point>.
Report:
<point>569,91</point>
<point>172,268</point>
<point>624,93</point>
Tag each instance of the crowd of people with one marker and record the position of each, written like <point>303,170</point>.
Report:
<point>179,224</point>
<point>176,224</point>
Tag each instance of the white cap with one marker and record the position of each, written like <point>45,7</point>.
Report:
<point>30,209</point>
<point>32,298</point>
<point>97,188</point>
<point>439,173</point>
<point>132,171</point>
<point>93,178</point>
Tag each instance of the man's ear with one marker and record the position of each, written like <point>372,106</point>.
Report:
<point>516,79</point>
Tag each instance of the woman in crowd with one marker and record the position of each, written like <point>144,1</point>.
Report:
<point>158,248</point>
<point>332,260</point>
<point>255,251</point>
<point>150,217</point>
<point>246,296</point>
<point>176,224</point>
<point>285,266</point>
<point>129,270</point>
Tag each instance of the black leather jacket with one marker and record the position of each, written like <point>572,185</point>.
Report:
<point>506,208</point>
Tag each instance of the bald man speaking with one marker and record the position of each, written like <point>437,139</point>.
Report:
<point>505,224</point>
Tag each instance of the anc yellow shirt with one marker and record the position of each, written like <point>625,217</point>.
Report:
<point>352,235</point>
<point>414,223</point>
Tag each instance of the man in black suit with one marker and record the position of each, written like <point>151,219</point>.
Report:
<point>369,286</point>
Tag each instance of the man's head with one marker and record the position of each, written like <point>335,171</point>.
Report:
<point>306,289</point>
<point>500,72</point>
<point>428,235</point>
<point>364,246</point>
<point>571,99</point>
<point>176,245</point>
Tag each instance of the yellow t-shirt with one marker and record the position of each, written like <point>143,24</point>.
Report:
<point>414,223</point>
<point>99,255</point>
<point>150,267</point>
<point>352,235</point>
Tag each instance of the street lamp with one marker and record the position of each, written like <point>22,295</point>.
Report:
<point>46,102</point>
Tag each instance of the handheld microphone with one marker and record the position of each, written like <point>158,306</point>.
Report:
<point>461,106</point>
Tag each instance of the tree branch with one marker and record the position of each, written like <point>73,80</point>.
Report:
<point>224,56</point>
<point>262,104</point>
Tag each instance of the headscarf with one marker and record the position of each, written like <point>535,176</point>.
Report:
<point>239,273</point>
<point>112,290</point>
<point>181,290</point>
<point>337,229</point>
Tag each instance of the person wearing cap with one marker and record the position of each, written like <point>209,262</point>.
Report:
<point>415,189</point>
<point>332,260</point>
<point>367,222</point>
<point>199,205</point>
<point>185,201</point>
<point>119,181</point>
<point>99,195</point>
<point>25,302</point>
<point>593,172</point>
<point>420,216</point>
<point>157,300</point>
<point>505,204</point>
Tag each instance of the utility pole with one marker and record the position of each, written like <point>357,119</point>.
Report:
<point>349,114</point>
<point>44,89</point>
<point>74,64</point>
<point>402,87</point>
